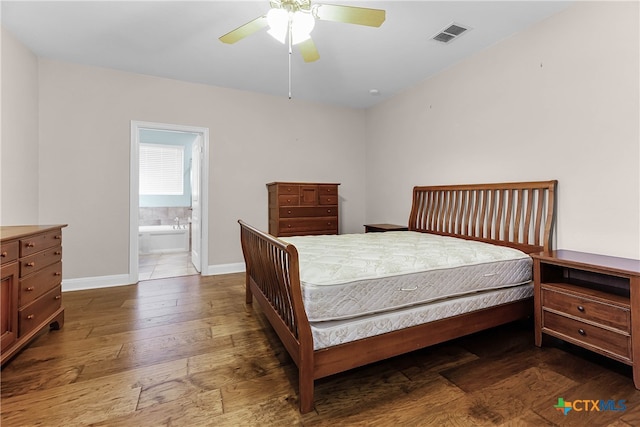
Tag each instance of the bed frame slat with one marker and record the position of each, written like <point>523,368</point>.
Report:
<point>501,213</point>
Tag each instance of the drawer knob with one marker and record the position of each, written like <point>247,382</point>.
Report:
<point>582,332</point>
<point>581,308</point>
<point>4,254</point>
<point>328,210</point>
<point>57,273</point>
<point>29,289</point>
<point>57,253</point>
<point>31,316</point>
<point>58,237</point>
<point>31,245</point>
<point>58,297</point>
<point>289,212</point>
<point>288,200</point>
<point>288,225</point>
<point>31,264</point>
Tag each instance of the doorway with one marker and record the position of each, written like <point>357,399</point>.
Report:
<point>168,202</point>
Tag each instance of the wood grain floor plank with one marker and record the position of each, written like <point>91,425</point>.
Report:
<point>148,352</point>
<point>250,392</point>
<point>193,410</point>
<point>70,405</point>
<point>509,398</point>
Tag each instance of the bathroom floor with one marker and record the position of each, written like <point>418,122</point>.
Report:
<point>159,266</point>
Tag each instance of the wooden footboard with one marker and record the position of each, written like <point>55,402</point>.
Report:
<point>272,277</point>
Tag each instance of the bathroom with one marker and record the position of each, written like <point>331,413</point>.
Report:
<point>165,204</point>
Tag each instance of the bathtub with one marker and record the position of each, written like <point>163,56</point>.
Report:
<point>163,239</point>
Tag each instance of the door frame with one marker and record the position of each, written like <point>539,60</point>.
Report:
<point>134,190</point>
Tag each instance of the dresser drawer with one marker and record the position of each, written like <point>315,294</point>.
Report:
<point>38,311</point>
<point>588,309</point>
<point>9,252</point>
<point>327,190</point>
<point>328,200</point>
<point>602,340</point>
<point>38,242</point>
<point>314,226</point>
<point>288,200</point>
<point>301,212</point>
<point>36,262</point>
<point>288,189</point>
<point>39,283</point>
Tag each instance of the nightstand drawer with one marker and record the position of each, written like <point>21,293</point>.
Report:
<point>599,339</point>
<point>586,308</point>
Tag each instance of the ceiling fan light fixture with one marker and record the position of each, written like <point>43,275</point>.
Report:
<point>278,20</point>
<point>301,26</point>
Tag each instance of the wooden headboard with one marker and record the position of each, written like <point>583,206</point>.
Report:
<point>519,214</point>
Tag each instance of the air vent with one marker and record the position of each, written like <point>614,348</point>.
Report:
<point>450,33</point>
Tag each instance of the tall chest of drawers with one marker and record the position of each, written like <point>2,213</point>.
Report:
<point>297,208</point>
<point>31,279</point>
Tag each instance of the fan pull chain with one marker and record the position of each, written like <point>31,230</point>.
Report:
<point>290,50</point>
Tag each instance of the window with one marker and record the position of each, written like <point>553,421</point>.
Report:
<point>161,169</point>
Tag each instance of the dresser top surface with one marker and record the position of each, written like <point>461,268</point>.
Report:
<point>301,183</point>
<point>8,232</point>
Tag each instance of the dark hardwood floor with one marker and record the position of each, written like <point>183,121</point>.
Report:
<point>188,352</point>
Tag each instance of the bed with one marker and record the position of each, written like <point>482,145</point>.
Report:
<point>324,338</point>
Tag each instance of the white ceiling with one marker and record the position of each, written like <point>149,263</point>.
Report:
<point>179,40</point>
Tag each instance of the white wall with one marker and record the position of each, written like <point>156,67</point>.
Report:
<point>85,115</point>
<point>557,101</point>
<point>19,135</point>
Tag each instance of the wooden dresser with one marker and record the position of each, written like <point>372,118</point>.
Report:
<point>31,297</point>
<point>297,208</point>
<point>589,300</point>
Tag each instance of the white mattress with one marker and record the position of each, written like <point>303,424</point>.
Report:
<point>352,275</point>
<point>327,334</point>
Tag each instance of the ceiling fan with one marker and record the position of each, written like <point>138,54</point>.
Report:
<point>296,19</point>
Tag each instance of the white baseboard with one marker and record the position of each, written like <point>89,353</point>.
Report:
<point>124,279</point>
<point>213,270</point>
<point>95,282</point>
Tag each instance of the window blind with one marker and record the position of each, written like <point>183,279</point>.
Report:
<point>161,169</point>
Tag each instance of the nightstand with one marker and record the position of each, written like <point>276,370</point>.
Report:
<point>589,300</point>
<point>379,228</point>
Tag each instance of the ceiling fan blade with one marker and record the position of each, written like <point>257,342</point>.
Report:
<point>351,15</point>
<point>308,51</point>
<point>245,30</point>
